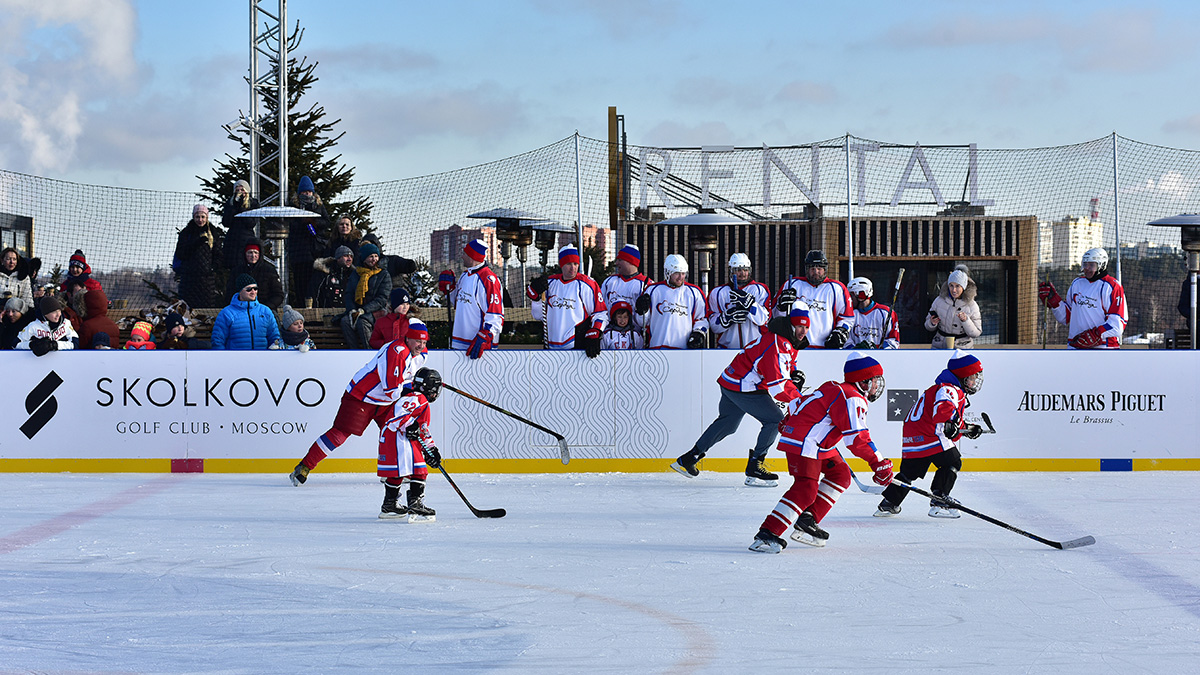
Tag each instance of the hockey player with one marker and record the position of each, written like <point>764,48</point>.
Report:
<point>875,325</point>
<point>621,333</point>
<point>737,312</point>
<point>759,376</point>
<point>836,411</point>
<point>477,301</point>
<point>674,310</point>
<point>569,305</point>
<point>932,431</point>
<point>627,284</point>
<point>1094,310</point>
<point>372,392</point>
<point>828,302</point>
<point>406,449</point>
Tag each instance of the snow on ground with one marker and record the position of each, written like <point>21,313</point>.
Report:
<point>590,573</point>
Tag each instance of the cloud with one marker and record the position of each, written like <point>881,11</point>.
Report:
<point>805,92</point>
<point>674,134</point>
<point>625,18</point>
<point>703,91</point>
<point>373,59</point>
<point>1185,125</point>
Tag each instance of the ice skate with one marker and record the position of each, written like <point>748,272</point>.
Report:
<point>392,511</point>
<point>942,506</point>
<point>766,542</point>
<point>418,512</point>
<point>758,476</point>
<point>806,531</point>
<point>299,474</point>
<point>686,464</point>
<point>887,509</point>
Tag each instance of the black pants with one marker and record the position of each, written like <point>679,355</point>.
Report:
<point>948,463</point>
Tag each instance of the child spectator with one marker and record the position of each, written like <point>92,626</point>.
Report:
<point>175,335</point>
<point>95,316</point>
<point>16,316</point>
<point>394,326</point>
<point>293,335</point>
<point>101,341</point>
<point>79,274</point>
<point>139,337</point>
<point>620,333</point>
<point>49,331</point>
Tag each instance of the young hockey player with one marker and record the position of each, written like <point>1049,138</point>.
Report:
<point>827,299</point>
<point>737,311</point>
<point>370,395</point>
<point>674,310</point>
<point>569,305</point>
<point>760,375</point>
<point>1094,310</point>
<point>875,325</point>
<point>621,333</point>
<point>931,434</point>
<point>836,411</point>
<point>407,452</point>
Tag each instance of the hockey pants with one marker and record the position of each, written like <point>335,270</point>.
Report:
<point>817,486</point>
<point>948,463</point>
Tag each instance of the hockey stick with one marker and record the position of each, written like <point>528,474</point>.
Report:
<point>870,489</point>
<point>1061,545</point>
<point>896,293</point>
<point>988,421</point>
<point>479,513</point>
<point>564,451</point>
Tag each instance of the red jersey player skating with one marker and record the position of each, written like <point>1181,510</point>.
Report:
<point>406,450</point>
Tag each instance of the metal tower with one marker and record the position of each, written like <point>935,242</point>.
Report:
<point>268,38</point>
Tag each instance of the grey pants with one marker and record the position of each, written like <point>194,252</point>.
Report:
<point>358,333</point>
<point>733,407</point>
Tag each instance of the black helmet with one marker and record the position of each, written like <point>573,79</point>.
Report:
<point>429,382</point>
<point>816,258</point>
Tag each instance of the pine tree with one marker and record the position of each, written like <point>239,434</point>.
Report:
<point>310,140</point>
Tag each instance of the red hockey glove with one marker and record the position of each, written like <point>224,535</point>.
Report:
<point>446,281</point>
<point>1087,339</point>
<point>883,471</point>
<point>481,343</point>
<point>1047,295</point>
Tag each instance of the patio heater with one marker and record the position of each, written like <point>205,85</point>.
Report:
<point>1189,239</point>
<point>275,231</point>
<point>703,230</point>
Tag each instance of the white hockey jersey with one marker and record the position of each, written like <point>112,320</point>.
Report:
<point>566,304</point>
<point>674,314</point>
<point>617,288</point>
<point>1088,304</point>
<point>478,301</point>
<point>828,306</point>
<point>738,335</point>
<point>64,335</point>
<point>877,327</point>
<point>614,339</point>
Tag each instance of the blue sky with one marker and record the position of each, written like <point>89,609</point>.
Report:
<point>129,93</point>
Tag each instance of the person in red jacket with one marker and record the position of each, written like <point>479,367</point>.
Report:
<point>95,316</point>
<point>393,326</point>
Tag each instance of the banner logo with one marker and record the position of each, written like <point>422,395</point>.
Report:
<point>41,394</point>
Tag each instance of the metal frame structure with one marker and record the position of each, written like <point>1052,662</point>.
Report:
<point>269,40</point>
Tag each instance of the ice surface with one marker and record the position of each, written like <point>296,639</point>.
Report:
<point>591,572</point>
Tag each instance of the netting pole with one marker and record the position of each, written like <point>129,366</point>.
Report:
<point>1116,205</point>
<point>579,205</point>
<point>849,219</point>
<point>283,108</point>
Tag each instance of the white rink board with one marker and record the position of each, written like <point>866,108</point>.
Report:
<point>627,405</point>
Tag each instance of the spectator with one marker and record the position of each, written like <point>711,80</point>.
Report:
<point>139,336</point>
<point>331,292</point>
<point>827,299</point>
<point>367,295</point>
<point>621,333</point>
<point>393,326</point>
<point>1185,300</point>
<point>875,325</point>
<point>197,254</point>
<point>14,281</point>
<point>178,334</point>
<point>569,305</point>
<point>238,230</point>
<point>676,315</point>
<point>1094,311</point>
<point>738,310</point>
<point>245,324</point>
<point>477,302</point>
<point>16,316</point>
<point>344,234</point>
<point>954,314</point>
<point>394,264</point>
<point>270,290</point>
<point>304,239</point>
<point>293,335</point>
<point>95,316</point>
<point>627,284</point>
<point>79,274</point>
<point>49,331</point>
<point>101,341</point>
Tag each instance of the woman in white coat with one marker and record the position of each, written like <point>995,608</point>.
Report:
<point>954,313</point>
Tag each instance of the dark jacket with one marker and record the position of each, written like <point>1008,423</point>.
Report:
<point>95,319</point>
<point>352,242</point>
<point>239,231</point>
<point>196,263</point>
<point>10,331</point>
<point>379,289</point>
<point>244,324</point>
<point>306,241</point>
<point>331,291</point>
<point>270,289</point>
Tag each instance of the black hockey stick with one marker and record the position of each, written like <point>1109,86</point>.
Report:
<point>1061,545</point>
<point>988,421</point>
<point>564,451</point>
<point>479,513</point>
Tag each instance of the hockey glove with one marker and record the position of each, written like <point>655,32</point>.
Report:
<point>724,320</point>
<point>1047,295</point>
<point>41,346</point>
<point>741,299</point>
<point>481,343</point>
<point>591,343</point>
<point>433,458</point>
<point>837,339</point>
<point>797,377</point>
<point>786,297</point>
<point>972,431</point>
<point>697,340</point>
<point>446,281</point>
<point>413,432</point>
<point>1088,338</point>
<point>539,284</point>
<point>950,429</point>
<point>883,471</point>
<point>738,315</point>
<point>865,344</point>
<point>643,303</point>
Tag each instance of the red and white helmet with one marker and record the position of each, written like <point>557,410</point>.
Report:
<point>861,288</point>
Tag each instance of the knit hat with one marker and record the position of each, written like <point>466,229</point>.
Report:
<point>341,251</point>
<point>476,250</point>
<point>568,254</point>
<point>799,314</point>
<point>860,367</point>
<point>305,185</point>
<point>289,316</point>
<point>244,184</point>
<point>173,319</point>
<point>101,340</point>
<point>17,305</point>
<point>199,208</point>
<point>47,304</point>
<point>963,365</point>
<point>399,296</point>
<point>366,250</point>
<point>243,280</point>
<point>141,331</point>
<point>417,330</point>
<point>959,276</point>
<point>78,258</point>
<point>255,244</point>
<point>630,254</point>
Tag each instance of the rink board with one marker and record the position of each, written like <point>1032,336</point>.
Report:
<point>627,411</point>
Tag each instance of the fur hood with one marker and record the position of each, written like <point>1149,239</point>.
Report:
<point>969,291</point>
<point>325,265</point>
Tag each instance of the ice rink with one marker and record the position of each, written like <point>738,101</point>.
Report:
<point>125,573</point>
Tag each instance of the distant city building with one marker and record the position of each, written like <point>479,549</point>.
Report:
<point>1062,243</point>
<point>1148,249</point>
<point>445,246</point>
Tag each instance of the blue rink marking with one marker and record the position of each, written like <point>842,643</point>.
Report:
<point>1116,464</point>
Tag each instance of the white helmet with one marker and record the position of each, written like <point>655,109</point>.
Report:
<point>1098,256</point>
<point>739,261</point>
<point>861,288</point>
<point>675,263</point>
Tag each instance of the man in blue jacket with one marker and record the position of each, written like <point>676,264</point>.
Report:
<point>245,324</point>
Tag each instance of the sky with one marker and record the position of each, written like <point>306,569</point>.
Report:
<point>133,93</point>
